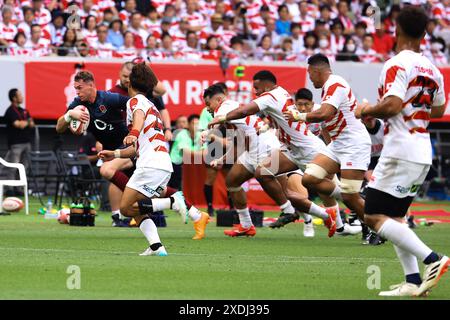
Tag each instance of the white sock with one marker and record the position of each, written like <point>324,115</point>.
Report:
<point>194,214</point>
<point>114,212</point>
<point>150,231</point>
<point>339,223</point>
<point>245,218</point>
<point>159,204</point>
<point>408,261</point>
<point>336,193</point>
<point>404,238</point>
<point>287,207</point>
<point>306,217</point>
<point>318,211</point>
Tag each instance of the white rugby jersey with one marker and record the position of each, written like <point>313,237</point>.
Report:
<point>414,79</point>
<point>345,130</point>
<point>249,125</point>
<point>151,144</point>
<point>377,138</point>
<point>273,103</point>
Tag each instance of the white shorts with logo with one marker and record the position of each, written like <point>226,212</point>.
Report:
<point>302,156</point>
<point>398,178</point>
<point>150,182</point>
<point>356,157</point>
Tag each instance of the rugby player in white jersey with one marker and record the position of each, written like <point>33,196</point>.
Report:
<point>299,147</point>
<point>411,92</point>
<point>349,149</point>
<point>252,144</point>
<point>153,166</point>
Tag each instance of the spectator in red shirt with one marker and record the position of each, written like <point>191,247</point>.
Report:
<point>383,43</point>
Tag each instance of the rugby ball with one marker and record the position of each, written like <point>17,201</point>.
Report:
<point>12,204</point>
<point>78,127</point>
<point>64,216</point>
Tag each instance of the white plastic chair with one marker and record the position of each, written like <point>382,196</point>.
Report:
<point>22,182</point>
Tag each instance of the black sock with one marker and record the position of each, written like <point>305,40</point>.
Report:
<point>145,206</point>
<point>155,246</point>
<point>414,278</point>
<point>365,229</point>
<point>432,257</point>
<point>208,190</point>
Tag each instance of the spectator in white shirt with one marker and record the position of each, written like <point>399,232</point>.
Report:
<point>297,38</point>
<point>39,45</point>
<point>7,29</point>
<point>18,48</point>
<point>57,29</point>
<point>25,25</point>
<point>366,54</point>
<point>89,31</point>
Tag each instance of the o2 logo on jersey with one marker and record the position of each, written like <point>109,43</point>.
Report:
<point>102,125</point>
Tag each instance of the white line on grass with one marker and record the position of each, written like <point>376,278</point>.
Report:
<point>296,259</point>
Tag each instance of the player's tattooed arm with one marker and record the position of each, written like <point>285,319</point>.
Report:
<point>386,108</point>
<point>238,113</point>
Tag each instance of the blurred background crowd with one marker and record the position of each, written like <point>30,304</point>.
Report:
<point>264,30</point>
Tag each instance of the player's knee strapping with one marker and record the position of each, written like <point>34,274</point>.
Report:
<point>264,171</point>
<point>234,189</point>
<point>316,171</point>
<point>349,186</point>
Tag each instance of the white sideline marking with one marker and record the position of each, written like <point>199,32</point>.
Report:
<point>301,259</point>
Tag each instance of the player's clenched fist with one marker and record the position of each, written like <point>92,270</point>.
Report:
<point>294,115</point>
<point>106,155</point>
<point>129,140</point>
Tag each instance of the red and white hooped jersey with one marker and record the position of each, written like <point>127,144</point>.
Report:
<point>273,103</point>
<point>127,53</point>
<point>41,49</point>
<point>151,146</point>
<point>15,50</point>
<point>195,19</point>
<point>43,17</point>
<point>441,12</point>
<point>90,37</point>
<point>369,56</point>
<point>307,24</point>
<point>336,43</point>
<point>105,4</point>
<point>151,26</point>
<point>8,32</point>
<point>414,79</point>
<point>161,4</point>
<point>345,130</point>
<point>248,126</point>
<point>25,28</point>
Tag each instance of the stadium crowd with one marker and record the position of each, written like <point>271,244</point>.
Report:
<point>265,30</point>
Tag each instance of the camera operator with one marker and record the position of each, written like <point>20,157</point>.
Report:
<point>241,24</point>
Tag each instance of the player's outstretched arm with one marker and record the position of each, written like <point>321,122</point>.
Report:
<point>325,112</point>
<point>387,108</point>
<point>138,124</point>
<point>238,113</point>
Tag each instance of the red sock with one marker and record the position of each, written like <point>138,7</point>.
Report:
<point>120,179</point>
<point>170,191</point>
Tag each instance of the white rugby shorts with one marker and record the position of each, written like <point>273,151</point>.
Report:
<point>398,178</point>
<point>151,182</point>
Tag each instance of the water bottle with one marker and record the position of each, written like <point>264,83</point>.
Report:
<point>48,213</point>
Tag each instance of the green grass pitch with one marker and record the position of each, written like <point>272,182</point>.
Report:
<point>35,254</point>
